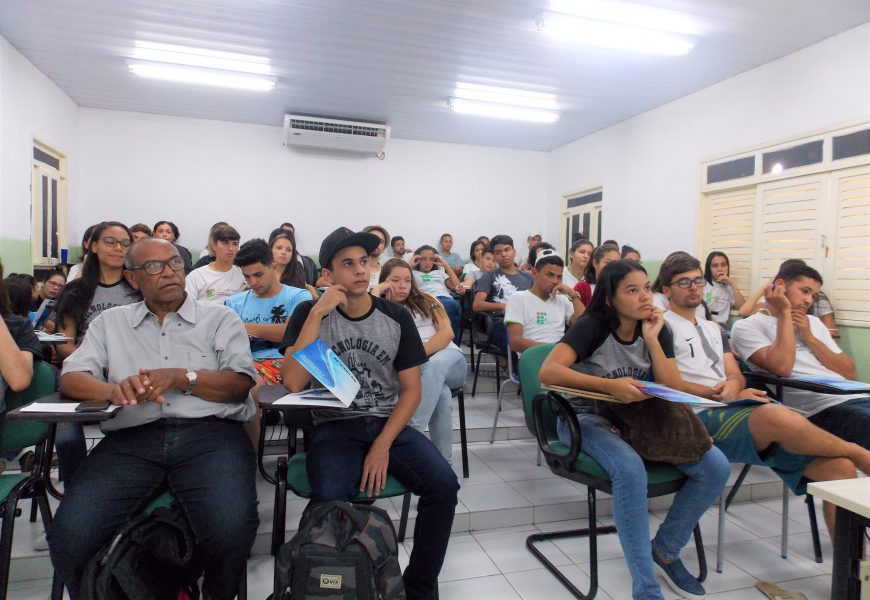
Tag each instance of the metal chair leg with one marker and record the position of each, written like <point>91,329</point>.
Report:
<point>783,542</point>
<point>721,536</point>
<point>476,372</point>
<point>403,520</point>
<point>463,436</point>
<point>814,528</point>
<point>495,417</point>
<point>539,456</point>
<point>261,447</point>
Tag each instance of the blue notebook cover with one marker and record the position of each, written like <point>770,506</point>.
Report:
<point>835,382</point>
<point>666,393</point>
<point>323,364</point>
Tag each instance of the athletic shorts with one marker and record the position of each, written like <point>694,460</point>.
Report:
<point>729,428</point>
<point>269,369</point>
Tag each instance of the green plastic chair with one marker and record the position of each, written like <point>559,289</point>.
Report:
<point>292,474</point>
<point>14,487</point>
<point>541,410</point>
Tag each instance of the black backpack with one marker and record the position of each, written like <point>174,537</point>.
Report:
<point>151,557</point>
<point>341,552</point>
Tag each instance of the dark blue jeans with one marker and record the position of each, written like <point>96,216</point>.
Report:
<point>454,312</point>
<point>71,448</point>
<point>207,464</point>
<point>849,420</point>
<point>335,454</point>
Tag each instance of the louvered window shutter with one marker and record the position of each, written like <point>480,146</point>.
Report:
<point>850,289</point>
<point>731,221</point>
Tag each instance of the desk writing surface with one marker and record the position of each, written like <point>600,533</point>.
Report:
<point>851,494</point>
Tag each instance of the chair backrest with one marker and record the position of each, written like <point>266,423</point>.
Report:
<point>15,435</point>
<point>530,376</point>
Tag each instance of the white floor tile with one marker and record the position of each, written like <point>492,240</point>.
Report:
<point>491,497</point>
<point>509,553</point>
<point>494,587</point>
<point>540,584</point>
<point>761,559</point>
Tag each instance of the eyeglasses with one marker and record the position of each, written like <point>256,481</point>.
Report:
<point>112,242</point>
<point>55,284</point>
<point>685,282</point>
<point>156,267</point>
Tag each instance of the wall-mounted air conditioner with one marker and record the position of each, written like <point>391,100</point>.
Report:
<point>332,134</point>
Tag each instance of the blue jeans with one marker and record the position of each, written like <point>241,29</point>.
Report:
<point>627,471</point>
<point>454,312</point>
<point>849,420</point>
<point>69,443</point>
<point>207,464</point>
<point>335,454</point>
<point>444,371</point>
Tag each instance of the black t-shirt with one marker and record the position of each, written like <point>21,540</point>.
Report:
<point>375,347</point>
<point>22,332</point>
<point>600,352</point>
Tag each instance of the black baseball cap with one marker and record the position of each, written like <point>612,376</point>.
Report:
<point>343,238</point>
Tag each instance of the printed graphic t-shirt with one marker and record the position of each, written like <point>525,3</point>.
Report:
<point>719,298</point>
<point>499,286</point>
<point>375,347</point>
<point>600,353</point>
<point>207,285</point>
<point>433,283</point>
<point>267,311</point>
<point>105,297</point>
<point>542,321</point>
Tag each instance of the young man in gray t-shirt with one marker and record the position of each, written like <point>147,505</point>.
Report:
<point>351,451</point>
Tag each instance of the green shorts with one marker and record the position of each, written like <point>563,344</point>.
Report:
<point>729,428</point>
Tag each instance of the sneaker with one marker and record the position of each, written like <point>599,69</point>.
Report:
<point>678,577</point>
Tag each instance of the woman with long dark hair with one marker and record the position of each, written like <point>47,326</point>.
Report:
<point>446,367</point>
<point>285,261</point>
<point>18,348</point>
<point>601,256</point>
<point>720,293</point>
<point>101,286</point>
<point>620,341</point>
<point>579,255</point>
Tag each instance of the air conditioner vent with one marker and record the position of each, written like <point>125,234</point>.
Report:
<point>333,134</point>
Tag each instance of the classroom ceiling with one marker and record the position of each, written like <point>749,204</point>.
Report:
<point>398,61</point>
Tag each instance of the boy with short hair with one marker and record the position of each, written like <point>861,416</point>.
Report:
<point>493,289</point>
<point>353,449</point>
<point>540,314</point>
<point>453,259</point>
<point>783,339</point>
<point>760,434</point>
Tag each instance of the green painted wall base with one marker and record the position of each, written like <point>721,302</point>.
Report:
<point>15,255</point>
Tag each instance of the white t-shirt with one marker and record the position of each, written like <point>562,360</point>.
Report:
<point>663,303</point>
<point>469,268</point>
<point>750,335</point>
<point>693,361</point>
<point>719,298</point>
<point>542,321</point>
<point>569,279</point>
<point>433,282</point>
<point>75,271</point>
<point>207,285</point>
<point>426,328</point>
<point>373,280</point>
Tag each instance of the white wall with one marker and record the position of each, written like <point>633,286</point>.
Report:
<point>138,167</point>
<point>31,106</point>
<point>649,166</point>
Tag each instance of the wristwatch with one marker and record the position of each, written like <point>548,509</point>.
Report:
<point>191,382</point>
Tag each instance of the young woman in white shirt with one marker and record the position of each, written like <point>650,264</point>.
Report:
<point>720,293</point>
<point>578,257</point>
<point>446,367</point>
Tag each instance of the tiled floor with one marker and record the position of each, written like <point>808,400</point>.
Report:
<point>508,497</point>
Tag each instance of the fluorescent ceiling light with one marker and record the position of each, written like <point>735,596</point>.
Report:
<point>627,13</point>
<point>201,57</point>
<point>603,34</point>
<point>200,76</point>
<point>502,95</point>
<point>501,111</point>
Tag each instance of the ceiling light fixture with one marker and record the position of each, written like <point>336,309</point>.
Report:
<point>200,66</point>
<point>503,95</point>
<point>501,111</point>
<point>619,26</point>
<point>200,76</point>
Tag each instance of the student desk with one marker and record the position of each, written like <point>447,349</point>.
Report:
<point>852,499</point>
<point>52,418</point>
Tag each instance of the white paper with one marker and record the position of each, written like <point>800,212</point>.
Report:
<point>61,407</point>
<point>312,398</point>
<point>51,337</point>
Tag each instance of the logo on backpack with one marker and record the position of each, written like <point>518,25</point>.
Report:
<point>332,582</point>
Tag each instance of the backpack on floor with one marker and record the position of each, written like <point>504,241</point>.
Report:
<point>341,552</point>
<point>151,557</point>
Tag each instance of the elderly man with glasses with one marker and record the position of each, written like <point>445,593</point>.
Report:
<point>182,372</point>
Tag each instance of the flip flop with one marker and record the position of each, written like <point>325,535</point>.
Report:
<point>774,592</point>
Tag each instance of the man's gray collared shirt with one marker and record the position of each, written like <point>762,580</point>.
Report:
<point>199,337</point>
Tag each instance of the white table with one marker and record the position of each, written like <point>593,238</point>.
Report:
<point>852,499</point>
